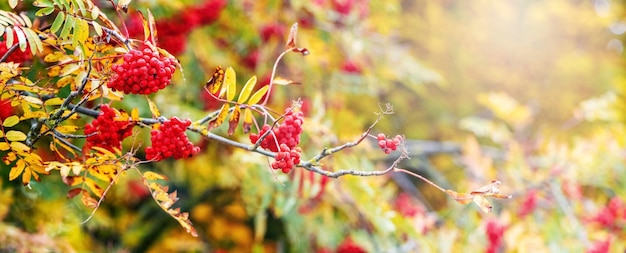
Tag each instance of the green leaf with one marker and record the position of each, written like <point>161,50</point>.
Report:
<point>97,28</point>
<point>43,3</point>
<point>33,41</point>
<point>9,37</point>
<point>11,121</point>
<point>247,90</point>
<point>81,7</point>
<point>21,39</point>
<point>13,3</point>
<point>44,11</point>
<point>256,97</point>
<point>95,12</point>
<point>14,135</point>
<point>67,27</point>
<point>230,79</point>
<point>58,21</point>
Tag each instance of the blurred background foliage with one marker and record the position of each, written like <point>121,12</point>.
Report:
<point>531,93</point>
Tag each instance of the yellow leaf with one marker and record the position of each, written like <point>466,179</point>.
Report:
<point>64,170</point>
<point>234,120</point>
<point>134,114</point>
<point>247,90</point>
<point>4,146</point>
<point>230,81</point>
<point>247,120</point>
<point>33,100</point>
<point>221,116</point>
<point>150,175</point>
<point>53,101</point>
<point>17,170</point>
<point>19,147</point>
<point>153,108</point>
<point>56,56</point>
<point>67,129</point>
<point>96,189</point>
<point>11,121</point>
<point>69,68</point>
<point>258,95</point>
<point>78,81</point>
<point>13,135</point>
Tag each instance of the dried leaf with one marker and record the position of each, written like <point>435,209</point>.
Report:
<point>215,83</point>
<point>221,116</point>
<point>88,201</point>
<point>291,40</point>
<point>461,198</point>
<point>234,120</point>
<point>73,192</point>
<point>123,5</point>
<point>483,203</point>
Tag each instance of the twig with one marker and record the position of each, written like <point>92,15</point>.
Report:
<point>9,52</point>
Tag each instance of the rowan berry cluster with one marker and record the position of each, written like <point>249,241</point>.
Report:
<point>142,72</point>
<point>388,145</point>
<point>284,140</point>
<point>286,158</point>
<point>107,130</point>
<point>173,31</point>
<point>170,141</point>
<point>16,56</point>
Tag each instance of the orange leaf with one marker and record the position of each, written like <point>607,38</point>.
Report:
<point>88,201</point>
<point>17,170</point>
<point>26,176</point>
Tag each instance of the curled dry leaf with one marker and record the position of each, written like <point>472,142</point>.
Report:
<point>480,196</point>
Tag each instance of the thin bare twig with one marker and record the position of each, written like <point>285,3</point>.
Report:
<point>9,52</point>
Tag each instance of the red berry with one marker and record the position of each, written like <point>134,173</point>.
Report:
<point>107,132</point>
<point>169,140</point>
<point>142,72</point>
<point>381,136</point>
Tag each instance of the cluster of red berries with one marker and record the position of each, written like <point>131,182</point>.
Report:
<point>142,72</point>
<point>17,55</point>
<point>495,236</point>
<point>528,204</point>
<point>286,158</point>
<point>6,110</point>
<point>107,130</point>
<point>388,145</point>
<point>612,217</point>
<point>173,31</point>
<point>170,141</point>
<point>284,140</point>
